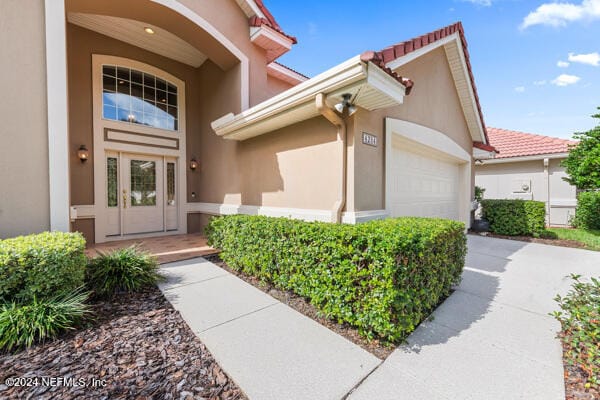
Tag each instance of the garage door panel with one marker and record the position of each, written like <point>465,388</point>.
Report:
<point>423,185</point>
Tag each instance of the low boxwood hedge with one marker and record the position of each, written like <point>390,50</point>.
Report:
<point>41,266</point>
<point>383,277</point>
<point>515,217</point>
<point>587,213</point>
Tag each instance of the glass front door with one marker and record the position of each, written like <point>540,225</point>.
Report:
<point>142,194</point>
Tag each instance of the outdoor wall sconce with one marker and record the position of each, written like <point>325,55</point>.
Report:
<point>83,153</point>
<point>193,164</point>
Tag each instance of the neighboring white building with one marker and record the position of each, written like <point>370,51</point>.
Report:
<point>528,167</point>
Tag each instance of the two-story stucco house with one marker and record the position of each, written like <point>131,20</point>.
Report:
<point>143,118</point>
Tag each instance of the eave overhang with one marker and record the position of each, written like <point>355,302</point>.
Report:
<point>371,88</point>
<point>273,42</point>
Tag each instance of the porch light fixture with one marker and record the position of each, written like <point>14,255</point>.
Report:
<point>83,153</point>
<point>149,30</point>
<point>193,164</point>
<point>345,104</point>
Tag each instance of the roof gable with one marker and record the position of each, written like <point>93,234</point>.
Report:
<point>453,39</point>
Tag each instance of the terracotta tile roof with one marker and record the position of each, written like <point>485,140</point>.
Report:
<point>519,144</point>
<point>269,21</point>
<point>398,50</point>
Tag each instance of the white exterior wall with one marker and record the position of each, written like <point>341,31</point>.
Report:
<point>504,181</point>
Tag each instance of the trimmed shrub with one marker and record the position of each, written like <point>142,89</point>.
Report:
<point>383,277</point>
<point>122,270</point>
<point>580,320</point>
<point>41,265</point>
<point>587,213</point>
<point>515,217</point>
<point>21,325</point>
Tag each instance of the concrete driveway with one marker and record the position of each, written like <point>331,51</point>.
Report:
<point>493,337</point>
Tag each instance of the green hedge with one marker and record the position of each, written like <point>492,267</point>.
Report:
<point>383,277</point>
<point>42,265</point>
<point>515,217</point>
<point>587,213</point>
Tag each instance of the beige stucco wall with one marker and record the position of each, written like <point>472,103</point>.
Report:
<point>499,181</point>
<point>281,169</point>
<point>24,198</point>
<point>433,103</point>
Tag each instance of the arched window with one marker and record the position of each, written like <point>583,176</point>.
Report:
<point>136,97</point>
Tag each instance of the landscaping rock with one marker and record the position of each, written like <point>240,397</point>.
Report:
<point>138,346</point>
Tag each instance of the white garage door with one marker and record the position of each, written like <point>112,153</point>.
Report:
<point>422,183</point>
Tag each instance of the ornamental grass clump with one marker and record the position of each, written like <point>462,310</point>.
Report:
<point>123,270</point>
<point>22,324</point>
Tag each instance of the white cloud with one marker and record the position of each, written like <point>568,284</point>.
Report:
<point>485,3</point>
<point>589,59</point>
<point>562,64</point>
<point>539,83</point>
<point>565,80</point>
<point>560,14</point>
<point>520,89</point>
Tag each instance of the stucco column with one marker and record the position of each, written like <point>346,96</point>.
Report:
<point>58,134</point>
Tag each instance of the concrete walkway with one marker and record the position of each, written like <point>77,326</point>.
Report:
<point>493,338</point>
<point>270,350</point>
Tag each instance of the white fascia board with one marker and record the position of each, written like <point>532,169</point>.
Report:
<point>344,74</point>
<point>271,34</point>
<point>480,154</point>
<point>526,158</point>
<point>297,104</point>
<point>382,81</point>
<point>250,8</point>
<point>400,61</point>
<point>281,72</point>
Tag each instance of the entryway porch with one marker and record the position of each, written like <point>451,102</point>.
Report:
<point>166,249</point>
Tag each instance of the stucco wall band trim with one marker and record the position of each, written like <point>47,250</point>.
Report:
<point>119,136</point>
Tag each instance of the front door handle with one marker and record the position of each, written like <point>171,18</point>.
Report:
<point>124,198</point>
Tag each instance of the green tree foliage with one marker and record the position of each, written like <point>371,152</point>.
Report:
<point>583,163</point>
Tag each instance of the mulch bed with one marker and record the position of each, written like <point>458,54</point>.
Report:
<point>300,304</point>
<point>553,242</point>
<point>138,344</point>
<point>575,388</point>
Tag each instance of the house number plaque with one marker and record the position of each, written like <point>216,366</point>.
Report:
<point>369,139</point>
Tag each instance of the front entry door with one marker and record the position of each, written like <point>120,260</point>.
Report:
<point>142,193</point>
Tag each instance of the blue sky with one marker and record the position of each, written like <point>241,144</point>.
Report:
<point>514,46</point>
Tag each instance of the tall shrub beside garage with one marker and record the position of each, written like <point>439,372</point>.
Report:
<point>383,277</point>
<point>515,217</point>
<point>587,213</point>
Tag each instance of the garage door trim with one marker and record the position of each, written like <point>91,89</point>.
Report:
<point>438,142</point>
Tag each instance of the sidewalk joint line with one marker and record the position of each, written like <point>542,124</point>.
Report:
<point>359,383</point>
<point>240,316</point>
<point>491,299</point>
<point>192,283</point>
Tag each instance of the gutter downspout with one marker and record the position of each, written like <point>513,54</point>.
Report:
<point>338,121</point>
<point>547,184</point>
